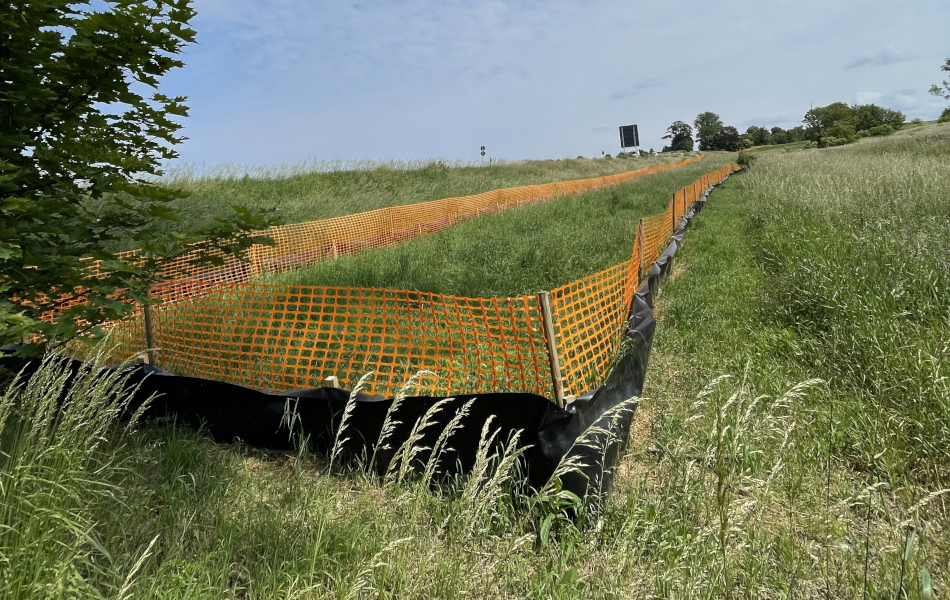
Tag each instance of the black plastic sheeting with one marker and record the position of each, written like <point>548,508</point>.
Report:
<point>548,434</point>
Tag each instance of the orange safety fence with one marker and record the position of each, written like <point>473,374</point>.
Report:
<point>301,244</point>
<point>280,337</point>
<point>285,337</point>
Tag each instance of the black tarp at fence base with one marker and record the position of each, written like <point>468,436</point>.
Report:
<point>548,434</point>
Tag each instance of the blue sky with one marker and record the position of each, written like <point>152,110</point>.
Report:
<point>275,81</point>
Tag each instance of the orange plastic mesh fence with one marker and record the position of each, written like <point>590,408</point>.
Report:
<point>299,244</point>
<point>588,320</point>
<point>589,314</point>
<point>281,337</point>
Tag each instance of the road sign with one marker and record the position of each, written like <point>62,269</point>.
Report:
<point>629,136</point>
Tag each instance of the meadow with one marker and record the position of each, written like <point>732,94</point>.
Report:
<point>518,251</point>
<point>793,441</point>
<point>309,192</point>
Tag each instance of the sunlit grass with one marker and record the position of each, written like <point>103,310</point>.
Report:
<point>819,264</point>
<point>518,251</point>
<point>309,192</point>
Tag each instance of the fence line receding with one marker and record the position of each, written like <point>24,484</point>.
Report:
<point>280,337</point>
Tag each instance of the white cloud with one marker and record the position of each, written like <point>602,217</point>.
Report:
<point>911,102</point>
<point>888,56</point>
<point>289,80</point>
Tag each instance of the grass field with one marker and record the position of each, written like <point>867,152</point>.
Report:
<point>820,264</point>
<point>300,195</point>
<point>518,251</point>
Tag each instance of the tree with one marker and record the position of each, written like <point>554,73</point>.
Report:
<point>759,136</point>
<point>795,134</point>
<point>869,116</point>
<point>819,119</point>
<point>727,139</point>
<point>707,124</point>
<point>945,91</point>
<point>681,137</point>
<point>79,148</point>
<point>779,135</point>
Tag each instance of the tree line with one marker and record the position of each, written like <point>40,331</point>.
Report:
<point>832,125</point>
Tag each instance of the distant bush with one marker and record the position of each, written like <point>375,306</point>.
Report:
<point>944,116</point>
<point>917,122</point>
<point>809,145</point>
<point>830,141</point>
<point>838,120</point>
<point>881,130</point>
<point>746,160</point>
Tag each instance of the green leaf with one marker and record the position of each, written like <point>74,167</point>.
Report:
<point>546,528</point>
<point>911,542</point>
<point>926,589</point>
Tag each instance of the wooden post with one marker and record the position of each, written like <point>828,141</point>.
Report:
<point>331,382</point>
<point>149,334</point>
<point>336,252</point>
<point>674,211</point>
<point>544,300</point>
<point>392,228</point>
<point>642,246</point>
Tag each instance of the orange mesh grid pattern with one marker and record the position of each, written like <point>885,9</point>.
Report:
<point>284,337</point>
<point>302,244</point>
<point>299,244</point>
<point>281,337</point>
<point>588,319</point>
<point>589,314</point>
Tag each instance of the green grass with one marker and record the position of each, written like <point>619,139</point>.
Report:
<point>827,264</point>
<point>518,251</point>
<point>299,194</point>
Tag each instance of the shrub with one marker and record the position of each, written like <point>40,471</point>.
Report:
<point>746,160</point>
<point>830,141</point>
<point>944,116</point>
<point>881,130</point>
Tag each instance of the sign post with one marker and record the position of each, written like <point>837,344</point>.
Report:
<point>629,137</point>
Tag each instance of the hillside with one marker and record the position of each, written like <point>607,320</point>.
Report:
<point>518,251</point>
<point>307,196</point>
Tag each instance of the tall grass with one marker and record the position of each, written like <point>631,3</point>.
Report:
<point>319,191</point>
<point>826,264</point>
<point>182,517</point>
<point>518,251</point>
<point>56,466</point>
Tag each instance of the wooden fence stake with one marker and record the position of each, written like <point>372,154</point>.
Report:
<point>149,334</point>
<point>673,201</point>
<point>544,300</point>
<point>642,247</point>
